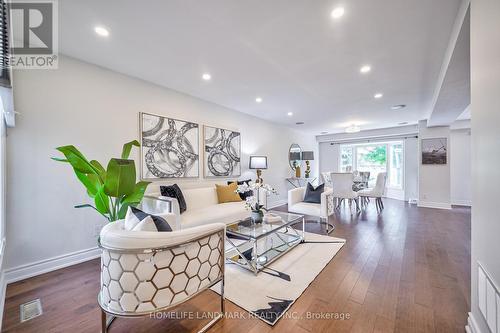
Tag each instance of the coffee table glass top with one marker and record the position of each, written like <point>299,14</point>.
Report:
<point>248,229</point>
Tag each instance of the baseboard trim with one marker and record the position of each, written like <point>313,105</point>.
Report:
<point>430,204</point>
<point>277,203</point>
<point>51,264</point>
<point>462,203</point>
<point>3,289</point>
<point>472,326</point>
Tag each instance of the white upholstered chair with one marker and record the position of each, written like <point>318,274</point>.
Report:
<point>322,211</point>
<point>144,272</point>
<point>376,192</point>
<point>342,189</point>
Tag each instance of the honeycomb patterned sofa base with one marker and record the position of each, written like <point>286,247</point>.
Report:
<point>145,272</point>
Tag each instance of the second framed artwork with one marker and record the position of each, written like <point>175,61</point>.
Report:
<point>222,152</point>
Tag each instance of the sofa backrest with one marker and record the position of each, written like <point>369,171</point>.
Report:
<point>200,197</point>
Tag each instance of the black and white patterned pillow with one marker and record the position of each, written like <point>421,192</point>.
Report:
<point>246,194</point>
<point>174,191</point>
<point>137,220</point>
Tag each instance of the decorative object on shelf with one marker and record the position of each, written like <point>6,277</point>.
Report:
<point>308,156</point>
<point>258,163</point>
<point>294,158</point>
<point>170,147</point>
<point>253,202</point>
<point>222,152</point>
<point>434,151</point>
<point>113,189</point>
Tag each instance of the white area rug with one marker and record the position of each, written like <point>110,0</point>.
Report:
<point>269,294</point>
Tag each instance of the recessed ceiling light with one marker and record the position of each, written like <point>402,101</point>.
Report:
<point>299,123</point>
<point>289,114</point>
<point>206,77</point>
<point>365,69</point>
<point>378,95</point>
<point>101,31</point>
<point>353,129</point>
<point>338,12</point>
<point>258,99</point>
<point>398,107</point>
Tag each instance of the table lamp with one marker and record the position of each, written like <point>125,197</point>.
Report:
<point>308,156</point>
<point>258,163</point>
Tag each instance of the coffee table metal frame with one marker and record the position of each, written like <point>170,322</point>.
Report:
<point>297,237</point>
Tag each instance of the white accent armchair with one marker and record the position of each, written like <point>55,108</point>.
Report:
<point>376,192</point>
<point>297,205</point>
<point>342,189</point>
<point>144,272</point>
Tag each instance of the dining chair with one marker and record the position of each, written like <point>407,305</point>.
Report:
<point>342,189</point>
<point>376,192</point>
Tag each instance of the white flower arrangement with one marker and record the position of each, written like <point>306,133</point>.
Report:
<point>252,202</point>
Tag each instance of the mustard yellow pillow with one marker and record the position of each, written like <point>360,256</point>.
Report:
<point>227,193</point>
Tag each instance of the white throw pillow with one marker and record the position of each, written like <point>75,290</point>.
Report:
<point>137,220</point>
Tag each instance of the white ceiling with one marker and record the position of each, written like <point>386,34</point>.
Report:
<point>289,52</point>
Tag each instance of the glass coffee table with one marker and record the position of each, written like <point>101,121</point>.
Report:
<point>256,245</point>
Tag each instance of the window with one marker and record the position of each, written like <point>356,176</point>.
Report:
<point>375,158</point>
<point>4,46</point>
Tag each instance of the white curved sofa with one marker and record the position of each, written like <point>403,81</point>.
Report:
<point>144,272</point>
<point>203,208</point>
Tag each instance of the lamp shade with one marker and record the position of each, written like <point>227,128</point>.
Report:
<point>258,162</point>
<point>294,156</point>
<point>307,156</point>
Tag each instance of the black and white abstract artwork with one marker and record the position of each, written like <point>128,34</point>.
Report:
<point>170,147</point>
<point>434,151</point>
<point>222,152</point>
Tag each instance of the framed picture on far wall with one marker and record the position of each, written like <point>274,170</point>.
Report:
<point>222,152</point>
<point>434,151</point>
<point>169,147</point>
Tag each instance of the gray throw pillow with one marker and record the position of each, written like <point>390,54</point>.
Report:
<point>313,195</point>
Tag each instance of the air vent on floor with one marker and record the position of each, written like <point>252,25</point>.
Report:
<point>31,310</point>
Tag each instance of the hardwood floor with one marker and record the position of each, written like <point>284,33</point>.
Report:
<point>405,270</point>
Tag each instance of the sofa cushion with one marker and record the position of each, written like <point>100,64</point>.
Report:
<point>174,191</point>
<point>137,220</point>
<point>227,193</point>
<point>305,208</point>
<point>222,213</point>
<point>246,194</point>
<point>313,195</point>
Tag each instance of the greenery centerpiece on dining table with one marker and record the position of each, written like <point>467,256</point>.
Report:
<point>253,202</point>
<point>113,189</point>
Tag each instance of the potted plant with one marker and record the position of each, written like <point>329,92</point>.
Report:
<point>113,189</point>
<point>253,202</point>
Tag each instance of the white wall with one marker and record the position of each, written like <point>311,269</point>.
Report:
<point>434,180</point>
<point>411,169</point>
<point>460,167</point>
<point>97,111</point>
<point>485,102</point>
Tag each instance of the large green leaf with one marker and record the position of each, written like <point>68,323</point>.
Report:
<point>100,170</point>
<point>128,147</point>
<point>90,206</point>
<point>77,160</point>
<point>90,181</point>
<point>101,201</point>
<point>120,178</point>
<point>138,193</point>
